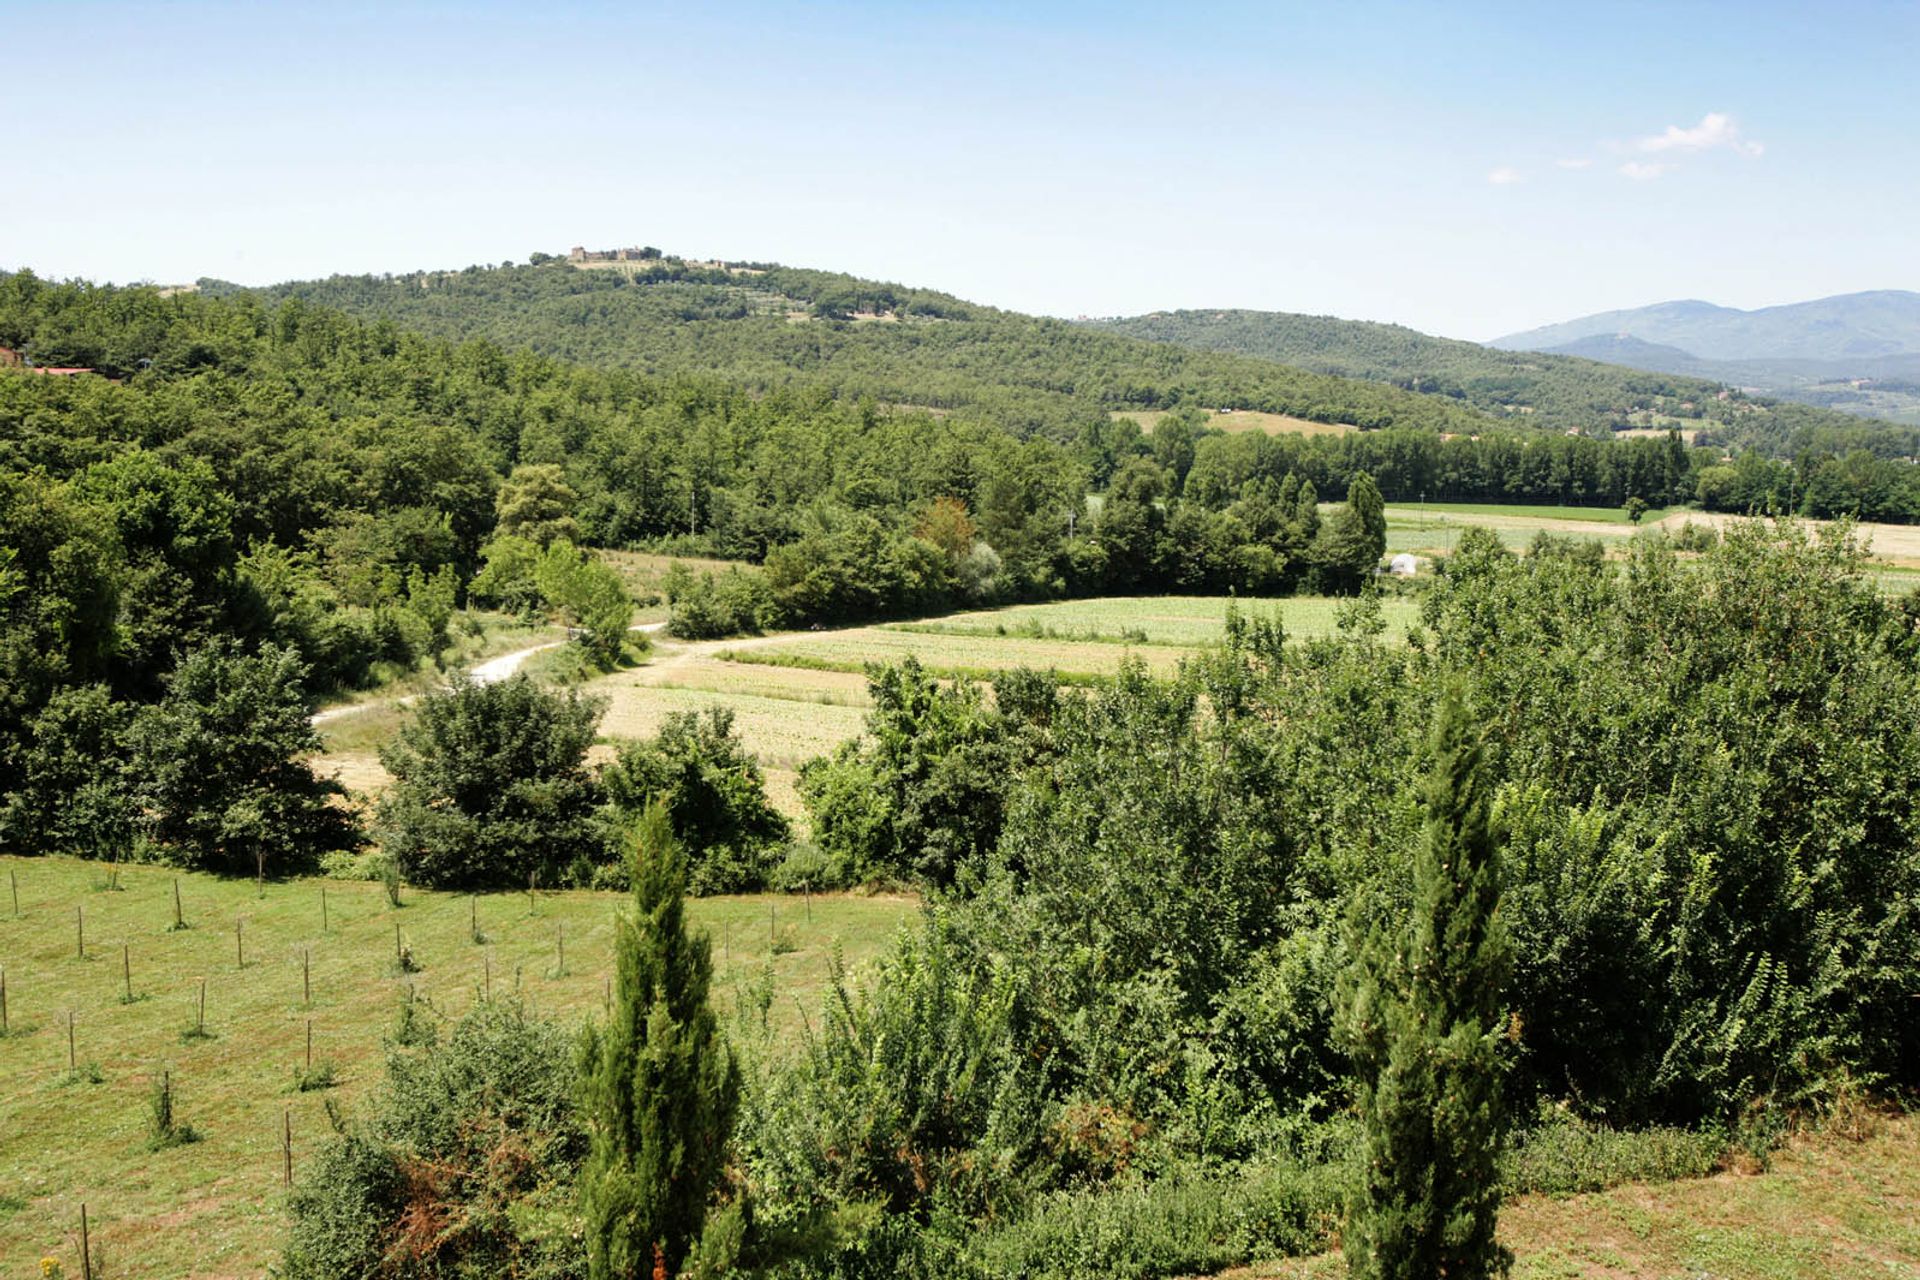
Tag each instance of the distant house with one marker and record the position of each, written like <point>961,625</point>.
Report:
<point>9,358</point>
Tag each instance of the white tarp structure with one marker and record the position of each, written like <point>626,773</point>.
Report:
<point>1403,566</point>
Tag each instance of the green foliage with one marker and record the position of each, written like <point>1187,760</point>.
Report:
<point>1017,371</point>
<point>536,503</point>
<point>71,788</point>
<point>462,1168</point>
<point>490,786</point>
<point>1353,541</point>
<point>506,581</point>
<point>709,605</point>
<point>660,1085</point>
<point>1423,1015</point>
<point>164,1128</point>
<point>922,795</point>
<point>914,1095</point>
<point>217,770</point>
<point>1709,798</point>
<point>714,795</point>
<point>589,597</point>
<point>1185,1222</point>
<point>1562,1156</point>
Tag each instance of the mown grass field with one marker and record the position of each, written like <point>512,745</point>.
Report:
<point>1178,621</point>
<point>1830,1207</point>
<point>216,1207</point>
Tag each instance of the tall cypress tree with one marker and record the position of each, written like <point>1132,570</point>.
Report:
<point>1423,1015</point>
<point>661,1085</point>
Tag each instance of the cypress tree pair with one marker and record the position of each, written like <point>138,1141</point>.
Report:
<point>661,1085</point>
<point>1424,1017</point>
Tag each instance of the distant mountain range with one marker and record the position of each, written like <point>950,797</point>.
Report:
<point>1857,352</point>
<point>1605,389</point>
<point>1851,326</point>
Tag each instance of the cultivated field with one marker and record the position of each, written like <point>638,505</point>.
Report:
<point>1234,421</point>
<point>1180,621</point>
<point>214,1208</point>
<point>1434,528</point>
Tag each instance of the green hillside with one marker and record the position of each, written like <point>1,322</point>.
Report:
<point>1560,392</point>
<point>769,326</point>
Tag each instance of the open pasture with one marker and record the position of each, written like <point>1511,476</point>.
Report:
<point>782,732</point>
<point>214,1207</point>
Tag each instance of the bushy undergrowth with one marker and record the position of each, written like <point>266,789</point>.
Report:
<point>1562,1156</point>
<point>464,1166</point>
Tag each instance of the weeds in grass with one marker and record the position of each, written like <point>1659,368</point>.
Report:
<point>312,1079</point>
<point>390,880</point>
<point>164,1128</point>
<point>412,1026</point>
<point>1563,1156</point>
<point>87,1072</point>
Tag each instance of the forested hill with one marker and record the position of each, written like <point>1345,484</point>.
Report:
<point>1560,392</point>
<point>766,326</point>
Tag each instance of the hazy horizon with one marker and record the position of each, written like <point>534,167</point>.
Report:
<point>1471,173</point>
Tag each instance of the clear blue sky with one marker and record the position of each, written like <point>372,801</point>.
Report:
<point>1468,169</point>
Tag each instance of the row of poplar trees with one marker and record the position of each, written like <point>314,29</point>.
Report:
<point>1421,1010</point>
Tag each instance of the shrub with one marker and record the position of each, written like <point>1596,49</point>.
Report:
<point>1184,1222</point>
<point>490,785</point>
<point>714,797</point>
<point>707,606</point>
<point>464,1166</point>
<point>217,769</point>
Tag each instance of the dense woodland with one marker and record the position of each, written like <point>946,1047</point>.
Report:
<point>764,326</point>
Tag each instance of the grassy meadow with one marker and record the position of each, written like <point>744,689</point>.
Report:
<point>214,1207</point>
<point>1832,1206</point>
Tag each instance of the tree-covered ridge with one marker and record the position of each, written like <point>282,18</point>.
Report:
<point>768,326</point>
<point>1562,392</point>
